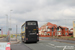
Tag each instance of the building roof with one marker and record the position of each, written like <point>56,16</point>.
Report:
<point>55,26</point>
<point>64,27</point>
<point>61,27</point>
<point>71,32</point>
<point>49,23</point>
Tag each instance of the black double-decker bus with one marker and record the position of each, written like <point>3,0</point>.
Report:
<point>29,31</point>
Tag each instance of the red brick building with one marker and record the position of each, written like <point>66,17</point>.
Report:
<point>50,29</point>
<point>71,32</point>
<point>62,31</point>
<point>46,30</point>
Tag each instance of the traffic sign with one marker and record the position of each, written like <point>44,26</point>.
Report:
<point>0,29</point>
<point>10,28</point>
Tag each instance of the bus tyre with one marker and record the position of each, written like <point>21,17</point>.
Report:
<point>25,41</point>
<point>36,42</point>
<point>22,41</point>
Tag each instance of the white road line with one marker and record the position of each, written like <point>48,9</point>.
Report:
<point>50,46</point>
<point>64,48</point>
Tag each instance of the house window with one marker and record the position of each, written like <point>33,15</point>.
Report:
<point>44,29</point>
<point>48,33</point>
<point>74,27</point>
<point>74,22</point>
<point>66,29</point>
<point>48,29</point>
<point>45,34</point>
<point>59,29</point>
<point>66,34</point>
<point>42,33</point>
<point>59,33</point>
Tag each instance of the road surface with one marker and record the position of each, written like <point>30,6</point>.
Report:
<point>59,40</point>
<point>43,45</point>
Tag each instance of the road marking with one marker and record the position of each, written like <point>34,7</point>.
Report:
<point>50,46</point>
<point>53,46</point>
<point>64,48</point>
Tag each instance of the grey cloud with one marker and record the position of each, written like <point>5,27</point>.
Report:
<point>54,11</point>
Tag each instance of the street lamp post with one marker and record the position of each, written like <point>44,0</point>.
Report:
<point>6,23</point>
<point>10,25</point>
<point>16,32</point>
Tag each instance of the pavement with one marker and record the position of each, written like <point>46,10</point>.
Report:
<point>14,41</point>
<point>3,40</point>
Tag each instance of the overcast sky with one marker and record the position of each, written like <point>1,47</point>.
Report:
<point>60,12</point>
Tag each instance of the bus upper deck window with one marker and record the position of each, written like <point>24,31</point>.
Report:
<point>31,23</point>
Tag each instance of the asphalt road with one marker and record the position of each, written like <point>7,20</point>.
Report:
<point>60,40</point>
<point>19,46</point>
<point>43,45</point>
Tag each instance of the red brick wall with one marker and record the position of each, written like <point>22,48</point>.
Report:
<point>64,31</point>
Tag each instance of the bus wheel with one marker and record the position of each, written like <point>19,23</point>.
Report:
<point>22,41</point>
<point>25,41</point>
<point>35,42</point>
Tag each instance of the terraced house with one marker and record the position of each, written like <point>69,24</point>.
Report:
<point>62,31</point>
<point>50,29</point>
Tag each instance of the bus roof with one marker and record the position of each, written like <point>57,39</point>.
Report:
<point>30,20</point>
<point>22,24</point>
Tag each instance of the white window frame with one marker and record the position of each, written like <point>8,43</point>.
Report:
<point>59,29</point>
<point>59,33</point>
<point>48,29</point>
<point>65,33</point>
